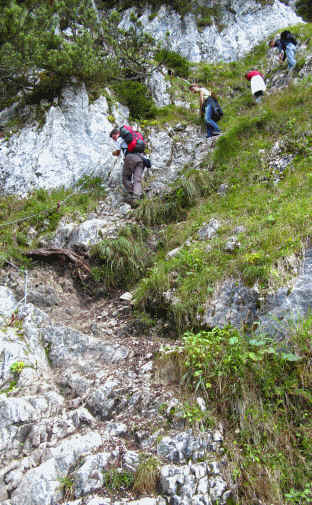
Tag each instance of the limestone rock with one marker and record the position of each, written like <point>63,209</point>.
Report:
<point>8,303</point>
<point>244,26</point>
<point>192,484</point>
<point>232,244</point>
<point>49,158</point>
<point>184,446</point>
<point>287,306</point>
<point>159,88</point>
<point>89,477</point>
<point>207,231</point>
<point>67,344</point>
<point>233,303</point>
<point>126,297</point>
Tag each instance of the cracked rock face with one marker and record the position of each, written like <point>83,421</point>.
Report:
<point>84,404</point>
<point>234,304</point>
<point>74,142</point>
<point>288,306</point>
<point>244,25</point>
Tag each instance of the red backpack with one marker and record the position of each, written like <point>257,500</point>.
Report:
<point>133,139</point>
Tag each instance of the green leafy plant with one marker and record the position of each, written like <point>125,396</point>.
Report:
<point>67,486</point>
<point>137,97</point>
<point>304,9</point>
<point>196,417</point>
<point>296,497</point>
<point>261,391</point>
<point>10,388</point>
<point>179,64</point>
<point>17,367</point>
<point>117,480</point>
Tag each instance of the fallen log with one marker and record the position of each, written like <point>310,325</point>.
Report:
<point>54,251</point>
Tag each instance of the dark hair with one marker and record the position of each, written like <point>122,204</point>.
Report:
<point>113,132</point>
<point>285,35</point>
<point>214,96</point>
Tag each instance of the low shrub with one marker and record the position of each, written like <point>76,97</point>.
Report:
<point>304,9</point>
<point>177,63</point>
<point>116,480</point>
<point>135,95</point>
<point>172,206</point>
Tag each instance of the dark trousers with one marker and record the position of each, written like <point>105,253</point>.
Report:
<point>132,174</point>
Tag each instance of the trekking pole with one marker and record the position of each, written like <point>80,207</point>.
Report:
<point>25,287</point>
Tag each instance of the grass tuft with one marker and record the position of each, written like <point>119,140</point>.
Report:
<point>147,476</point>
<point>123,260</point>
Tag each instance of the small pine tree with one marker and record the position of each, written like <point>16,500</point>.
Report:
<point>45,44</point>
<point>304,9</point>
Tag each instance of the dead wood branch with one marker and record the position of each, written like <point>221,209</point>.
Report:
<point>68,253</point>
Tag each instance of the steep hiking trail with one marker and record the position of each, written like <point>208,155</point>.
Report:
<point>102,401</point>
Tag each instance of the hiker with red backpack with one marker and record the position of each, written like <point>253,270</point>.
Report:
<point>132,144</point>
<point>257,84</point>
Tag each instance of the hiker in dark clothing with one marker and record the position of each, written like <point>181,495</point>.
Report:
<point>286,45</point>
<point>213,129</point>
<point>133,167</point>
<point>208,107</point>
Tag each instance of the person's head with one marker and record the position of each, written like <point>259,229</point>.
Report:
<point>272,43</point>
<point>194,88</point>
<point>285,34</point>
<point>115,133</point>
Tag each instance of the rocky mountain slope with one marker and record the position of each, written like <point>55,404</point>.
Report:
<point>167,361</point>
<point>233,29</point>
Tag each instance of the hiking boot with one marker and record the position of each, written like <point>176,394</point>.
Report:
<point>217,133</point>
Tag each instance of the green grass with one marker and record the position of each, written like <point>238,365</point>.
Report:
<point>261,393</point>
<point>42,211</point>
<point>276,218</point>
<point>258,389</point>
<point>121,261</point>
<point>147,476</point>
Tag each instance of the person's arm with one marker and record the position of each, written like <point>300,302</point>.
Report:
<point>201,101</point>
<point>280,47</point>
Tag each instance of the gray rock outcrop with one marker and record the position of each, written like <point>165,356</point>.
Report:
<point>244,25</point>
<point>233,303</point>
<point>69,411</point>
<point>74,142</point>
<point>284,310</point>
